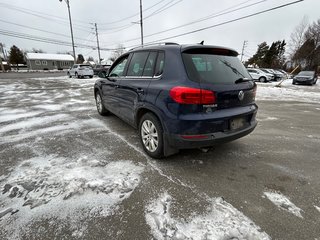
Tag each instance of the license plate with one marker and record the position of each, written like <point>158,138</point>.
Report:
<point>237,123</point>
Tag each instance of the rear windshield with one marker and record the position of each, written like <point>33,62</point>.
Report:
<point>216,69</point>
<point>306,73</point>
<point>85,66</point>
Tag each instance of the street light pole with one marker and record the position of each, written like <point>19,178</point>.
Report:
<point>74,52</point>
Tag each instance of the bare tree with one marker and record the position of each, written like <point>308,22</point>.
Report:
<point>297,37</point>
<point>117,53</point>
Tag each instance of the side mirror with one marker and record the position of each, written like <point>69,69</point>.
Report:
<point>102,74</point>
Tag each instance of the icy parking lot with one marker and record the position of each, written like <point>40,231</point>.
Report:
<point>68,173</point>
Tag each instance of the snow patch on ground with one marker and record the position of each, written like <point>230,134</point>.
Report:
<point>8,115</point>
<point>283,202</point>
<point>72,191</point>
<point>60,129</point>
<point>33,122</point>
<point>288,92</point>
<point>222,221</point>
<point>318,208</point>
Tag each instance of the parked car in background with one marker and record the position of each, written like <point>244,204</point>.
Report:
<point>277,75</point>
<point>305,77</point>
<point>285,74</point>
<point>80,71</point>
<point>258,75</point>
<point>101,68</point>
<point>180,96</point>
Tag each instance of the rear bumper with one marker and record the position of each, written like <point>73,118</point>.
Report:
<point>176,141</point>
<point>207,133</point>
<point>303,81</point>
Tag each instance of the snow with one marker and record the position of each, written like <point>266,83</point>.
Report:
<point>318,208</point>
<point>33,122</point>
<point>288,92</point>
<point>222,221</point>
<point>10,115</point>
<point>55,187</point>
<point>283,203</point>
<point>47,56</point>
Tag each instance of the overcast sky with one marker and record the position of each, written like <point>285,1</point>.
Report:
<point>115,21</point>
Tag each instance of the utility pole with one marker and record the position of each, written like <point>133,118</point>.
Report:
<point>96,28</point>
<point>141,23</point>
<point>245,42</point>
<point>74,52</point>
<point>4,56</point>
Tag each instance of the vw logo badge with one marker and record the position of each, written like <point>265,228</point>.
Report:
<point>241,95</point>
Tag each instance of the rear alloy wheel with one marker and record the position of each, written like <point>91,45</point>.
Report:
<point>262,79</point>
<point>100,107</point>
<point>151,135</point>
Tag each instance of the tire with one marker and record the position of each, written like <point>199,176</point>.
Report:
<point>294,83</point>
<point>69,75</point>
<point>100,107</point>
<point>151,135</point>
<point>91,76</point>
<point>76,75</point>
<point>262,79</point>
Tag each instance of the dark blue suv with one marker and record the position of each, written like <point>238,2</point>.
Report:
<point>180,96</point>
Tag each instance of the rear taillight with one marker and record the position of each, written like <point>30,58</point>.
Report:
<point>186,95</point>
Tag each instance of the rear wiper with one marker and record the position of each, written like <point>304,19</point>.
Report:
<point>240,80</point>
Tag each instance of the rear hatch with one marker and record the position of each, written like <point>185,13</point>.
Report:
<point>220,71</point>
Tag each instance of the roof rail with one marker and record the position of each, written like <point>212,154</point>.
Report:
<point>155,44</point>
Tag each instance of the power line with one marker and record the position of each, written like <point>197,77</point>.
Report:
<point>17,8</point>
<point>227,22</point>
<point>48,40</point>
<point>131,16</point>
<point>163,8</point>
<point>41,30</point>
<point>46,17</point>
<point>214,15</point>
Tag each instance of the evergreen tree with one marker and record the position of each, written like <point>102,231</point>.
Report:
<point>258,58</point>
<point>90,59</point>
<point>80,59</point>
<point>16,56</point>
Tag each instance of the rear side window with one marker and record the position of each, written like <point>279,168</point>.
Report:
<point>212,68</point>
<point>149,66</point>
<point>160,64</point>
<point>137,64</point>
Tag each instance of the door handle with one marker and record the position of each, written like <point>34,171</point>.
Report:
<point>140,91</point>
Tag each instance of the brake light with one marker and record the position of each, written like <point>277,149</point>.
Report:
<point>186,95</point>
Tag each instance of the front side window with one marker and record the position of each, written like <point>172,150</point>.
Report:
<point>118,70</point>
<point>212,68</point>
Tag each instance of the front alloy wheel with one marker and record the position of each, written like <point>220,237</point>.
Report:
<point>150,130</point>
<point>100,107</point>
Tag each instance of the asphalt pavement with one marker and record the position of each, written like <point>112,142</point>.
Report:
<point>68,173</point>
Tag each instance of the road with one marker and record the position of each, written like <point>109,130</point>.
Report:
<point>68,173</point>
